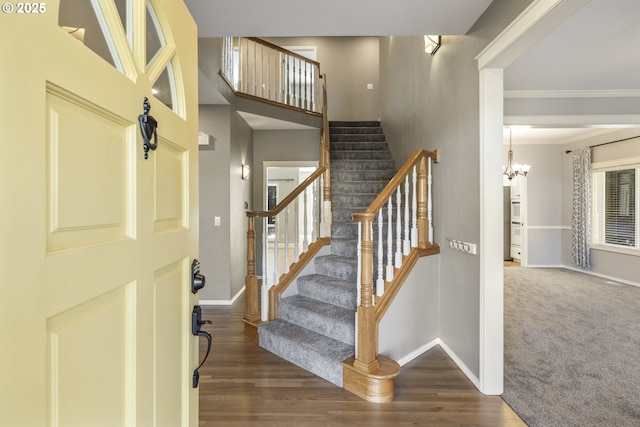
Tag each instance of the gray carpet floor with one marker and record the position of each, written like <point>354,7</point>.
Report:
<point>572,349</point>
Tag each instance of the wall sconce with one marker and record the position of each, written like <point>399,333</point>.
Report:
<point>431,44</point>
<point>245,171</point>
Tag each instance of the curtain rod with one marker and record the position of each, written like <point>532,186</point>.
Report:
<point>606,143</point>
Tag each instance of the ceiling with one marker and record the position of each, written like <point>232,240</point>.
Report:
<point>591,55</point>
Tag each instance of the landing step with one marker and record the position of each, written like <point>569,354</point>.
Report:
<point>309,350</point>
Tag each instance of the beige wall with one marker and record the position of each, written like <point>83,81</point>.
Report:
<point>223,193</point>
<point>432,102</point>
<point>350,63</point>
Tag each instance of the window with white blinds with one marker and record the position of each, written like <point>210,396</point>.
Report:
<point>616,207</point>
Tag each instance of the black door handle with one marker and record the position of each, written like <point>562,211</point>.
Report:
<point>196,324</point>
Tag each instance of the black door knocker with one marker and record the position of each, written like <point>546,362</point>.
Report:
<point>148,128</point>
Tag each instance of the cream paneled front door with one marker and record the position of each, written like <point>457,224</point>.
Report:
<point>96,242</point>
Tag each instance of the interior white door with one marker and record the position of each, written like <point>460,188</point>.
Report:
<point>96,241</point>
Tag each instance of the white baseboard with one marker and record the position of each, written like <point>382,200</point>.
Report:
<point>603,276</point>
<point>222,302</point>
<point>545,266</point>
<point>418,352</point>
<point>465,370</point>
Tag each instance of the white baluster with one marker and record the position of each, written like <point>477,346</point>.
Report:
<point>305,226</point>
<point>389,275</point>
<point>380,281</point>
<point>255,66</point>
<point>398,262</point>
<point>246,70</point>
<point>286,240</point>
<point>414,211</point>
<point>359,268</point>
<point>315,209</point>
<point>275,251</point>
<point>262,70</point>
<point>429,202</point>
<point>296,230</point>
<point>407,240</point>
<point>300,83</point>
<point>306,84</point>
<point>264,311</point>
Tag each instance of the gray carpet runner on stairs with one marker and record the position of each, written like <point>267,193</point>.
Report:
<point>316,328</point>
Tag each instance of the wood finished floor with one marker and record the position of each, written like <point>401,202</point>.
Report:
<point>244,385</point>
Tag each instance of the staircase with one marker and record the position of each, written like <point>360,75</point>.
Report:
<point>316,328</point>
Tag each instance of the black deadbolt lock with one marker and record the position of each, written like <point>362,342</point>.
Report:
<point>197,279</point>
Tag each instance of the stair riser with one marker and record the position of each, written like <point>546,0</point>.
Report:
<point>361,175</point>
<point>325,289</point>
<point>340,328</point>
<point>350,187</point>
<point>356,165</point>
<point>361,155</point>
<point>349,230</point>
<point>355,130</point>
<point>366,123</point>
<point>358,137</point>
<point>352,200</point>
<point>354,146</point>
<point>342,269</point>
<point>344,247</point>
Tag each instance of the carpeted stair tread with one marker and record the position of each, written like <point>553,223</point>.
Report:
<point>309,350</point>
<point>328,289</point>
<point>327,319</point>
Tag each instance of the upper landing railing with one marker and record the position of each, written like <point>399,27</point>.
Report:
<point>257,68</point>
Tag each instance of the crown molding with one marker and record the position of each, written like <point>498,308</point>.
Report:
<point>602,120</point>
<point>530,94</point>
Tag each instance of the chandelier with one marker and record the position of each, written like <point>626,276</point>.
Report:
<point>512,170</point>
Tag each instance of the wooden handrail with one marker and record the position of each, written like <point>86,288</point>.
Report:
<point>283,50</point>
<point>290,197</point>
<point>388,190</point>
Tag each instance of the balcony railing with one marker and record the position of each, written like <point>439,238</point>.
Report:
<point>257,68</point>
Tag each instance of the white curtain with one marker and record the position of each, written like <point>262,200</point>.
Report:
<point>581,219</point>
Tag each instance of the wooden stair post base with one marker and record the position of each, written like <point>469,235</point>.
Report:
<point>377,386</point>
<point>251,328</point>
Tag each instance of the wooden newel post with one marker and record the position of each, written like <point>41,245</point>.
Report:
<point>252,315</point>
<point>423,225</point>
<point>367,350</point>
